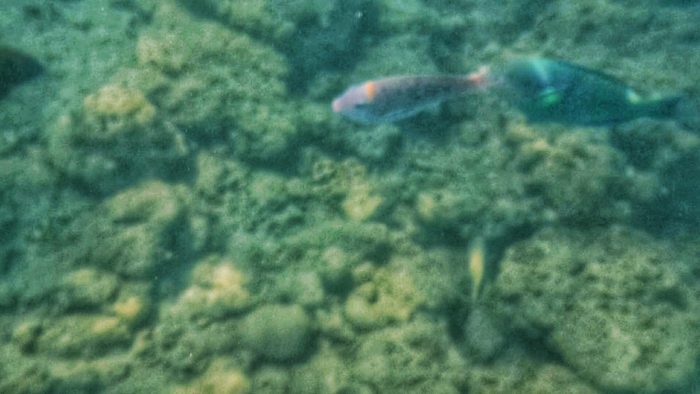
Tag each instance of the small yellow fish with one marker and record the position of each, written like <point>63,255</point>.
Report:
<point>477,263</point>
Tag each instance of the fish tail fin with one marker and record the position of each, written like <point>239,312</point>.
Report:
<point>663,108</point>
<point>687,112</point>
<point>481,78</point>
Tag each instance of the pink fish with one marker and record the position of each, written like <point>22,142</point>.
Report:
<point>395,98</point>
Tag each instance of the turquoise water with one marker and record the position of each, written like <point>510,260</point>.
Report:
<point>181,211</point>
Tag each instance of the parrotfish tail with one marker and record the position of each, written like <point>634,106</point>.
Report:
<point>687,113</point>
<point>665,108</point>
<point>481,78</point>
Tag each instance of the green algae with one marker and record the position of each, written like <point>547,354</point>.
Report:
<point>190,216</point>
<point>608,301</point>
<point>278,332</point>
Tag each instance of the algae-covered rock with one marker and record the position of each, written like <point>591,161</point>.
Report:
<point>271,379</point>
<point>325,372</point>
<point>83,336</point>
<point>218,289</point>
<point>133,303</point>
<point>556,379</point>
<point>610,302</point>
<point>135,232</point>
<point>518,372</point>
<point>114,139</point>
<point>669,158</point>
<point>483,336</point>
<point>361,203</point>
<point>306,289</point>
<point>217,84</point>
<point>315,34</point>
<point>217,174</point>
<point>220,378</point>
<point>455,192</point>
<point>24,375</point>
<point>87,288</point>
<point>90,375</point>
<point>278,332</point>
<point>184,348</point>
<point>415,357</point>
<point>579,179</point>
<point>389,296</point>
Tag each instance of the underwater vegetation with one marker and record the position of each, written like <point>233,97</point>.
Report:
<point>181,210</point>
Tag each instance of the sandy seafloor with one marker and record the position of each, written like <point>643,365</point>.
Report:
<point>180,211</point>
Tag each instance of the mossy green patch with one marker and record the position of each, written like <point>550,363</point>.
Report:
<point>608,301</point>
<point>278,332</point>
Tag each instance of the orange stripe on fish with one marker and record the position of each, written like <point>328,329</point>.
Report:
<point>370,90</point>
<point>480,77</point>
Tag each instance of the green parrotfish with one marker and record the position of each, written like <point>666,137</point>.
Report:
<point>548,90</point>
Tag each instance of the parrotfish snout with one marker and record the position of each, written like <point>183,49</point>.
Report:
<point>355,102</point>
<point>354,97</point>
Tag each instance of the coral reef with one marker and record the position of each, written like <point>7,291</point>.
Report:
<point>219,378</point>
<point>116,137</point>
<point>382,297</point>
<point>597,186</point>
<point>413,357</point>
<point>218,289</point>
<point>608,301</point>
<point>138,231</point>
<point>181,211</point>
<point>219,84</point>
<point>278,332</point>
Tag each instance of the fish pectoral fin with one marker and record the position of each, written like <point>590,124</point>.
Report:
<point>549,97</point>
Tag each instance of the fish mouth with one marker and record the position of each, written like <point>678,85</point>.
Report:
<point>336,106</point>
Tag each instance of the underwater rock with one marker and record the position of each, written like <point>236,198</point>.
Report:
<point>314,34</point>
<point>669,157</point>
<point>389,296</point>
<point>218,289</point>
<point>90,375</point>
<point>222,377</point>
<point>518,372</point>
<point>133,304</point>
<point>114,139</point>
<point>414,357</point>
<point>305,289</point>
<point>83,336</point>
<point>482,335</point>
<point>16,67</point>
<point>361,202</point>
<point>185,347</point>
<point>403,54</point>
<point>86,288</point>
<point>325,372</point>
<point>22,375</point>
<point>278,332</point>
<point>578,178</point>
<point>217,84</point>
<point>271,379</point>
<point>133,233</point>
<point>608,301</point>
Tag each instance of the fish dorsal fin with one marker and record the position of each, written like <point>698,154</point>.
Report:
<point>590,71</point>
